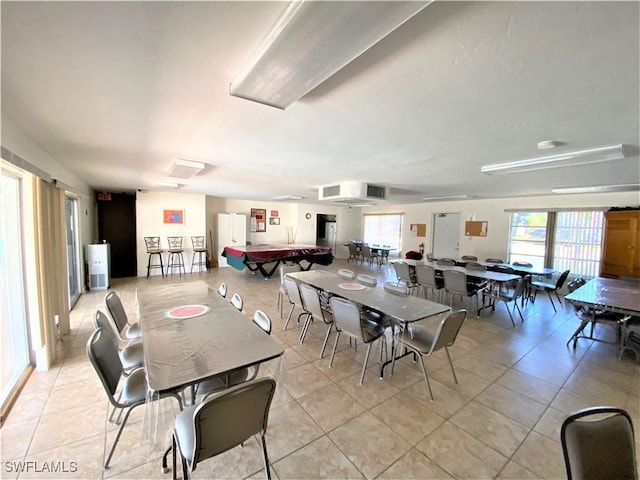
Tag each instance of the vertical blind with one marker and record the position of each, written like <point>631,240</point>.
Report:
<point>384,230</point>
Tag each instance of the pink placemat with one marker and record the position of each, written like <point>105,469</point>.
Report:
<point>187,311</point>
<point>351,286</point>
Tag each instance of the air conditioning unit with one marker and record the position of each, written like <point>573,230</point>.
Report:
<point>354,193</point>
<point>98,256</point>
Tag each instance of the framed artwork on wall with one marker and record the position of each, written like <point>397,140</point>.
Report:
<point>274,221</point>
<point>173,216</point>
<point>258,220</point>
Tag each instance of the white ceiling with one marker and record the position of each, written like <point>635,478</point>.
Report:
<point>116,90</point>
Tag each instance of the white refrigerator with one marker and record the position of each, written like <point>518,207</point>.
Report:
<point>232,232</point>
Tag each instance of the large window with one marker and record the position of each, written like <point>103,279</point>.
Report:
<point>384,230</point>
<point>565,240</point>
<point>578,240</point>
<point>528,238</point>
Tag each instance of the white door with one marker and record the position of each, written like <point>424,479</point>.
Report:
<point>232,232</point>
<point>446,235</point>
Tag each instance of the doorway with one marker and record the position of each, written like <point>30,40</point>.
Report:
<point>117,226</point>
<point>326,230</point>
<point>73,251</point>
<point>14,331</point>
<point>446,235</point>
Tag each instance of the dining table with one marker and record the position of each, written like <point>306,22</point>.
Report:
<point>611,295</point>
<point>402,309</point>
<point>191,334</point>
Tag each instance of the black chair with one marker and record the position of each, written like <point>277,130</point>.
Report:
<point>105,359</point>
<point>221,422</point>
<point>175,260</point>
<point>550,287</point>
<point>598,443</point>
<point>199,258</point>
<point>153,250</point>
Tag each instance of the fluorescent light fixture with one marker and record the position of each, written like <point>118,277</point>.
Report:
<point>287,197</point>
<point>185,168</point>
<point>447,197</point>
<point>627,187</point>
<point>580,157</point>
<point>312,41</point>
<point>167,185</point>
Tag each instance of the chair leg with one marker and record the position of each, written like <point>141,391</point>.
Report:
<point>551,300</point>
<point>335,346</point>
<point>453,372</point>
<point>366,359</point>
<point>293,305</point>
<point>426,377</point>
<point>326,339</point>
<point>305,327</point>
<point>115,442</point>
<point>519,311</point>
<point>265,457</point>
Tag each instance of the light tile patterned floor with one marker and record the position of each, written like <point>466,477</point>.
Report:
<point>502,421</point>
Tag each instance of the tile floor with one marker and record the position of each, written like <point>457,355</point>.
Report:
<point>502,420</point>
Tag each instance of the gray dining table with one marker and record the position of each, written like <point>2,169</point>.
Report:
<point>191,334</point>
<point>602,294</point>
<point>403,309</point>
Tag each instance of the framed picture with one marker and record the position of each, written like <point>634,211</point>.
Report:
<point>258,220</point>
<point>274,221</point>
<point>173,216</point>
<point>274,213</point>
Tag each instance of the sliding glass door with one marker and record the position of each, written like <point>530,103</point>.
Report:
<point>14,343</point>
<point>73,252</point>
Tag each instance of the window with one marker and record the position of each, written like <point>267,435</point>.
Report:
<point>578,240</point>
<point>565,240</point>
<point>384,230</point>
<point>528,238</point>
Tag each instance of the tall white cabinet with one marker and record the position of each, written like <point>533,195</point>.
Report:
<point>232,232</point>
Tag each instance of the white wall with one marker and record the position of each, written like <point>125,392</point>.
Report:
<point>291,216</point>
<point>495,244</point>
<point>150,223</point>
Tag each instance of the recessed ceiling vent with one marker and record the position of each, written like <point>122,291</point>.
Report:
<point>354,193</point>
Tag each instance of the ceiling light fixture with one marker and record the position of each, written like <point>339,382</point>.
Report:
<point>185,168</point>
<point>447,197</point>
<point>627,187</point>
<point>580,157</point>
<point>167,185</point>
<point>312,41</point>
<point>288,197</point>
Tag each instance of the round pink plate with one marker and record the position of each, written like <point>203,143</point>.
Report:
<point>351,286</point>
<point>187,311</point>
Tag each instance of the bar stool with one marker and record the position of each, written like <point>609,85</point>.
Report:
<point>176,260</point>
<point>153,248</point>
<point>199,250</point>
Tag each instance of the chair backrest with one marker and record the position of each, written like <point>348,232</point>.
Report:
<point>520,287</point>
<point>236,301</point>
<point>293,291</point>
<point>598,443</point>
<point>262,320</point>
<point>348,274</point>
<point>426,275</point>
<point>494,260</point>
<point>152,243</point>
<point>448,330</point>
<point>227,419</point>
<point>470,257</point>
<point>222,290</point>
<point>446,262</point>
<point>197,242</point>
<point>101,320</point>
<point>104,357</point>
<point>475,266</point>
<point>561,279</point>
<point>402,271</point>
<point>368,280</point>
<point>430,257</point>
<point>522,264</point>
<point>353,249</point>
<point>116,310</point>
<point>311,299</point>
<point>346,316</point>
<point>455,282</point>
<point>396,289</point>
<point>366,251</point>
<point>503,269</point>
<point>284,269</point>
<point>175,243</point>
